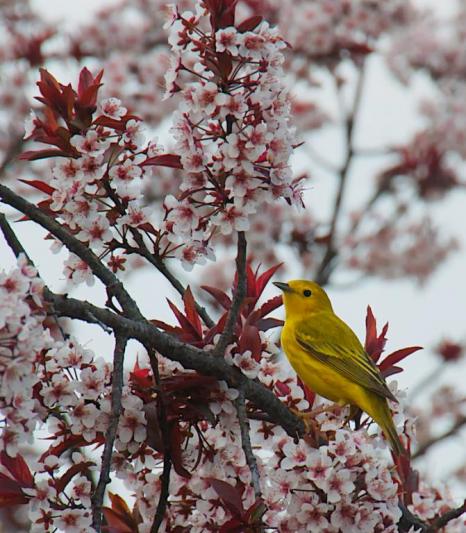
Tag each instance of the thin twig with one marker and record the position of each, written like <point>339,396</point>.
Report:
<point>164,428</point>
<point>434,440</point>
<point>106,276</point>
<point>238,297</point>
<point>168,274</point>
<point>153,259</point>
<point>325,267</point>
<point>117,387</point>
<point>246,442</point>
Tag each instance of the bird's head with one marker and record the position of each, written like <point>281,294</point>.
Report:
<point>302,297</point>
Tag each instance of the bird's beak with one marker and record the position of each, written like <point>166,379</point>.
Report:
<point>283,286</point>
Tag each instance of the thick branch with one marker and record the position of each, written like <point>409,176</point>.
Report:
<point>238,297</point>
<point>434,440</point>
<point>75,246</point>
<point>189,356</point>
<point>117,387</point>
<point>246,442</point>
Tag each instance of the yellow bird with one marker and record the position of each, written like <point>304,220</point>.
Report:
<point>329,358</point>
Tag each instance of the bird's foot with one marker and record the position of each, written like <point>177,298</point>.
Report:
<point>311,425</point>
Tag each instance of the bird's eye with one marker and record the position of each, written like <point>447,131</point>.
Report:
<point>307,293</point>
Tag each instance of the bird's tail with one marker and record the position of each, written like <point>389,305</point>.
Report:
<point>383,417</point>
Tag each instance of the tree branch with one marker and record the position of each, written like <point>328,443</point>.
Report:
<point>75,246</point>
<point>443,520</point>
<point>189,356</point>
<point>175,282</point>
<point>434,440</point>
<point>238,297</point>
<point>246,442</point>
<point>325,267</point>
<point>167,460</point>
<point>11,238</point>
<point>117,387</point>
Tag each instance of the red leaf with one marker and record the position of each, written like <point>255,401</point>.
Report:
<point>116,523</point>
<point>88,86</point>
<point>219,296</point>
<point>78,468</point>
<point>107,122</point>
<point>8,485</point>
<point>249,24</point>
<point>34,155</point>
<point>230,496</point>
<point>309,394</point>
<point>218,328</point>
<point>251,282</point>
<point>40,185</point>
<point>250,340</point>
<point>374,345</point>
<point>271,305</point>
<point>141,376</point>
<point>398,356</point>
<point>11,499</point>
<point>18,468</point>
<point>191,311</point>
<point>74,441</point>
<point>264,324</point>
<point>165,160</point>
<point>177,438</point>
<point>185,324</point>
<point>264,278</point>
<point>282,388</point>
<point>119,518</point>
<point>371,330</point>
<point>174,330</point>
<point>391,371</point>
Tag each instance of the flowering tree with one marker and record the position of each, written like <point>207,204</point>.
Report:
<point>202,429</point>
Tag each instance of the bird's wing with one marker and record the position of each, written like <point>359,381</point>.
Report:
<point>333,343</point>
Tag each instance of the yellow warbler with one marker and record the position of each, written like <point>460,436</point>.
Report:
<point>329,358</point>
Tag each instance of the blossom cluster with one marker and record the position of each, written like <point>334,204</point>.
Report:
<point>330,30</point>
<point>232,129</point>
<point>53,384</point>
<point>417,246</point>
<point>96,187</point>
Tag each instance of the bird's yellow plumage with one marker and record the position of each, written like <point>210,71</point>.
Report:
<point>329,358</point>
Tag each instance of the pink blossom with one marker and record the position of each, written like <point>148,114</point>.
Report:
<point>59,391</point>
<point>73,521</point>
<point>77,271</point>
<point>111,107</point>
<point>231,219</point>
<point>91,143</point>
<point>226,40</point>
